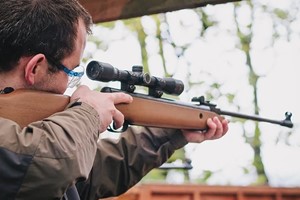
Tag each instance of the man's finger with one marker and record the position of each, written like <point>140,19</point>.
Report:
<point>120,97</point>
<point>118,119</point>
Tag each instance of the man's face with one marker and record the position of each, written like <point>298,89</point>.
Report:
<point>58,82</point>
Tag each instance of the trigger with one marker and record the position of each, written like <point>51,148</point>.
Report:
<point>112,127</point>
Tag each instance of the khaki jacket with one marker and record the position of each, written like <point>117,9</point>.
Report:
<point>44,159</point>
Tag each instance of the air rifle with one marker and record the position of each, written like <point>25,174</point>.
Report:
<point>154,110</point>
<point>27,106</point>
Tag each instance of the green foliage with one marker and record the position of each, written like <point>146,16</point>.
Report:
<point>155,175</point>
<point>230,97</point>
<point>281,14</point>
<point>206,20</point>
<point>205,176</point>
<point>109,25</point>
<point>178,154</point>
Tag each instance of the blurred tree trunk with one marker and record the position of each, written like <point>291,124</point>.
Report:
<point>245,39</point>
<point>142,35</point>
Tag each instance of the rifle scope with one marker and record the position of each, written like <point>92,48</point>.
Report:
<point>105,72</point>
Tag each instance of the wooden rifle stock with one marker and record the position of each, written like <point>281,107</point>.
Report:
<point>164,113</point>
<point>27,106</point>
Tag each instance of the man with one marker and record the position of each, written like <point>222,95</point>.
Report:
<point>41,44</point>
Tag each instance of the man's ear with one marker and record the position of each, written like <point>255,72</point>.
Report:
<point>35,68</point>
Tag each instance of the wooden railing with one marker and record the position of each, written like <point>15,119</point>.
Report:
<point>204,192</point>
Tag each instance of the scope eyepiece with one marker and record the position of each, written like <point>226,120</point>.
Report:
<point>101,72</point>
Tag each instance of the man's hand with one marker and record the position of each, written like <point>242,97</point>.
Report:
<point>216,130</point>
<point>104,104</point>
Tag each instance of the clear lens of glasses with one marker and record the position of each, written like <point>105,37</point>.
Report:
<point>75,76</point>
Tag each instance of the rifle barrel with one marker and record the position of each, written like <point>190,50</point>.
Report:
<point>286,122</point>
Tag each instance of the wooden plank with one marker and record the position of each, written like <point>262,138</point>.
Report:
<point>110,10</point>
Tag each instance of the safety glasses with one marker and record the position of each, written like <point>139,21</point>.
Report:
<point>73,75</point>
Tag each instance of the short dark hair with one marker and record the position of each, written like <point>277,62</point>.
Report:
<point>28,27</point>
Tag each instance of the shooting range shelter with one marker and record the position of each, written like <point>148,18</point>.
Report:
<point>111,10</point>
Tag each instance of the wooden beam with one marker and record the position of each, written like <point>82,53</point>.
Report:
<point>110,10</point>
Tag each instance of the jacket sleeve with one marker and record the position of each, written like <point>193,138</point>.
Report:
<point>120,164</point>
<point>59,151</point>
